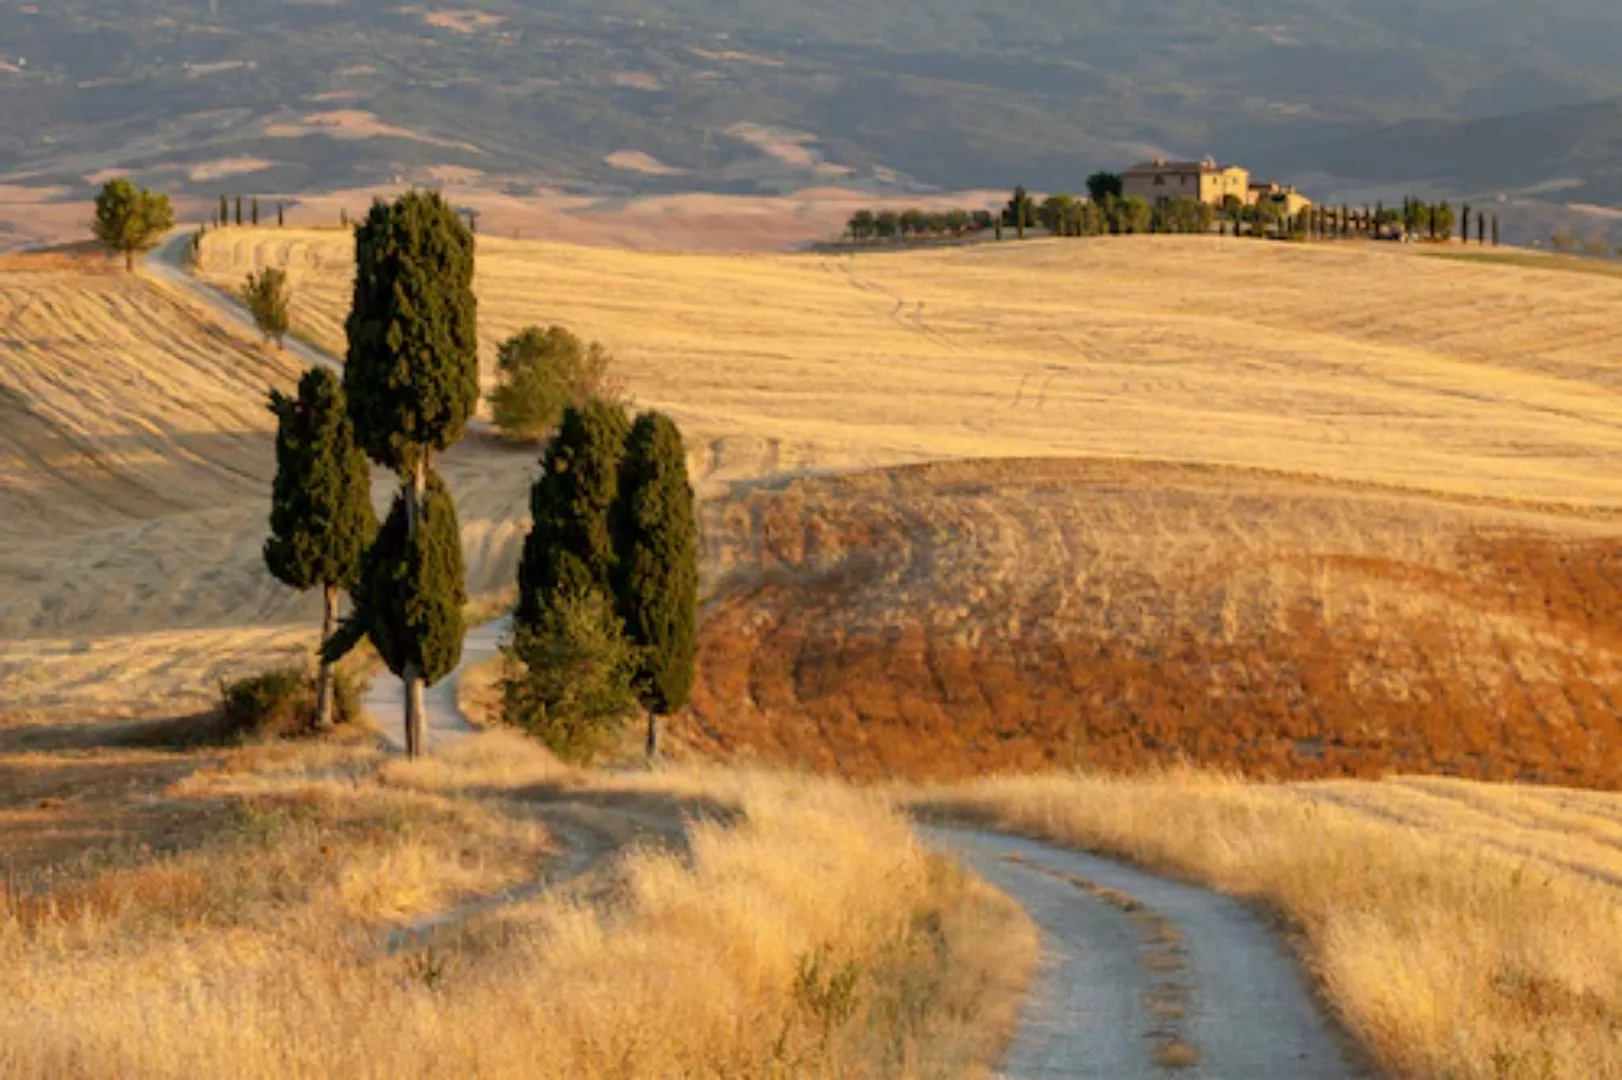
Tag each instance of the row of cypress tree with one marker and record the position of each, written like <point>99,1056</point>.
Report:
<point>614,527</point>
<point>613,507</point>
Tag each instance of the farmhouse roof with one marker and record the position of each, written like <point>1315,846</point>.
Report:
<point>1161,166</point>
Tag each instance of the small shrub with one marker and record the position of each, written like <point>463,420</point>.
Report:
<point>267,297</point>
<point>570,679</point>
<point>542,372</point>
<point>282,703</point>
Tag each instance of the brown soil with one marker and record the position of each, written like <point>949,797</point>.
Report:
<point>1113,616</point>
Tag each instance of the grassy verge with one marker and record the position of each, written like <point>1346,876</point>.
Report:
<point>1463,940</point>
<point>797,930</point>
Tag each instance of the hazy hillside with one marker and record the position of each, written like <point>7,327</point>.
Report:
<point>706,94</point>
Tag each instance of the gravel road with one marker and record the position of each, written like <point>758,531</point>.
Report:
<point>1245,1012</point>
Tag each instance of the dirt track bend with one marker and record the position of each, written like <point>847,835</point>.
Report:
<point>1222,993</point>
<point>1144,977</point>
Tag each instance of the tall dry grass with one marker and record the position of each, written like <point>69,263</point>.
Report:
<point>1445,951</point>
<point>803,931</point>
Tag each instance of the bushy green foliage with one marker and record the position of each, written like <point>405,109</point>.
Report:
<point>656,577</point>
<point>570,547</point>
<point>129,220</point>
<point>539,374</point>
<point>411,590</point>
<point>1182,216</point>
<point>1105,185</point>
<point>321,517</point>
<point>282,703</point>
<point>413,368</point>
<point>571,676</point>
<point>267,298</point>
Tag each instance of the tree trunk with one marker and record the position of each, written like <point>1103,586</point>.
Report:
<point>416,721</point>
<point>653,738</point>
<point>323,692</point>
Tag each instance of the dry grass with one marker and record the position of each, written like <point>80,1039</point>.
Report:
<point>1360,364</point>
<point>1459,929</point>
<point>798,929</point>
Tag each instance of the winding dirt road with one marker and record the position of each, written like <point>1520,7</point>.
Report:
<point>1142,977</point>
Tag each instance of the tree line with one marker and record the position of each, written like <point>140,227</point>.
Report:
<point>1106,211</point>
<point>607,600</point>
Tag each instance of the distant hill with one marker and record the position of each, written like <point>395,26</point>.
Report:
<point>1573,152</point>
<point>901,95</point>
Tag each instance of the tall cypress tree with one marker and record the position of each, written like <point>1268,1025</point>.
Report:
<point>239,209</point>
<point>254,215</point>
<point>570,548</point>
<point>412,379</point>
<point>225,212</point>
<point>1495,230</point>
<point>321,518</point>
<point>656,578</point>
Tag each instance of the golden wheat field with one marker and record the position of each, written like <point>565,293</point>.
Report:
<point>1348,363</point>
<point>1457,929</point>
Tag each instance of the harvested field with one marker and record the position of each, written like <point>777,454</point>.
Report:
<point>945,620</point>
<point>136,453</point>
<point>1357,363</point>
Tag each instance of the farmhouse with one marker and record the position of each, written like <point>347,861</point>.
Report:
<point>1203,181</point>
<point>1206,181</point>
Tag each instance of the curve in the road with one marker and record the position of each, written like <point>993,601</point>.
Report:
<point>1232,1007</point>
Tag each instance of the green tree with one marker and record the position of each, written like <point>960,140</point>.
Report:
<point>255,211</point>
<point>1495,230</point>
<point>656,573</point>
<point>267,298</point>
<point>1019,210</point>
<point>1104,185</point>
<point>886,224</point>
<point>239,209</point>
<point>1464,223</point>
<point>280,219</point>
<point>410,595</point>
<point>541,372</point>
<point>570,548</point>
<point>129,220</point>
<point>225,213</point>
<point>321,517</point>
<point>1442,221</point>
<point>1057,212</point>
<point>412,379</point>
<point>1132,215</point>
<point>570,678</point>
<point>861,225</point>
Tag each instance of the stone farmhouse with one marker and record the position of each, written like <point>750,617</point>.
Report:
<point>1207,182</point>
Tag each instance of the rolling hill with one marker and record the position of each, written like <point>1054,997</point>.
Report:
<point>1300,511</point>
<point>519,96</point>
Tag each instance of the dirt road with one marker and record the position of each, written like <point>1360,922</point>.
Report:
<point>1144,976</point>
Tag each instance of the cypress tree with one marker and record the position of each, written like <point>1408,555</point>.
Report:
<point>225,211</point>
<point>570,548</point>
<point>1495,230</point>
<point>411,591</point>
<point>412,379</point>
<point>321,517</point>
<point>656,579</point>
<point>1464,224</point>
<point>280,221</point>
<point>255,211</point>
<point>239,209</point>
